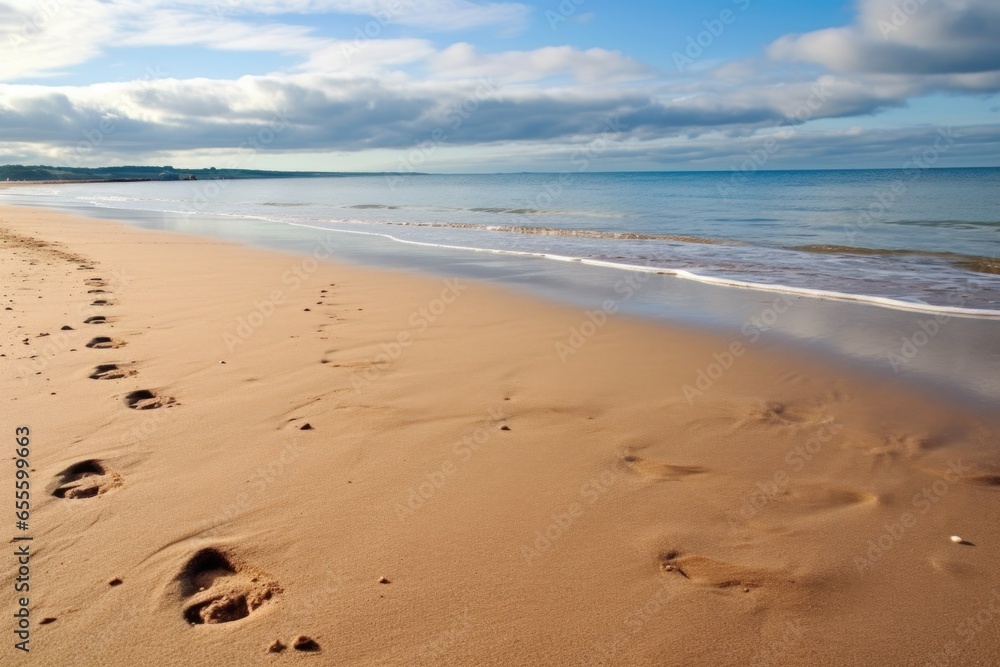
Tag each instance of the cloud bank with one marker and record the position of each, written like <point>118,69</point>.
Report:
<point>374,92</point>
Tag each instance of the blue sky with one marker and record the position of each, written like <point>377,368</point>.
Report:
<point>463,85</point>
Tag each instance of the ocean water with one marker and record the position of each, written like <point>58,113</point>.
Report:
<point>923,240</point>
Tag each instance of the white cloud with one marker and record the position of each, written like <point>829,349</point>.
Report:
<point>177,28</point>
<point>590,66</point>
<point>913,37</point>
<point>51,37</point>
<point>429,14</point>
<point>42,38</point>
<point>366,57</point>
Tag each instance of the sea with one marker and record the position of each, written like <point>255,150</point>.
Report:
<point>919,243</point>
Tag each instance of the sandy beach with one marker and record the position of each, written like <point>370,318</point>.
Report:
<point>231,447</point>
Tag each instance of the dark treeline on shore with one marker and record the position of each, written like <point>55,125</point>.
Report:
<point>17,172</point>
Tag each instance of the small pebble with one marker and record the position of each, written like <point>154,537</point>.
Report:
<point>956,539</point>
<point>222,362</point>
<point>276,647</point>
<point>47,620</point>
<point>304,643</point>
<point>383,580</point>
<point>505,428</point>
<point>306,427</point>
<point>115,582</point>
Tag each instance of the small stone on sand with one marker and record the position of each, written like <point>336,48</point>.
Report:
<point>276,647</point>
<point>115,582</point>
<point>383,580</point>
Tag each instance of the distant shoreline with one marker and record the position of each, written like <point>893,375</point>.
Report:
<point>18,173</point>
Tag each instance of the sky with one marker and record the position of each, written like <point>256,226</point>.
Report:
<point>458,86</point>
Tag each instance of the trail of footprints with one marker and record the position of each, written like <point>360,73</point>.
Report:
<point>213,586</point>
<point>694,569</point>
<point>658,470</point>
<point>93,478</point>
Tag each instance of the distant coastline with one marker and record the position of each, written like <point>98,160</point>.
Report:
<point>17,173</point>
<point>42,174</point>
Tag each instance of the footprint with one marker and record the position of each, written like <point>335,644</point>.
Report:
<point>86,479</point>
<point>794,377</point>
<point>146,399</point>
<point>980,473</point>
<point>105,343</point>
<point>716,574</point>
<point>952,567</point>
<point>985,479</point>
<point>96,291</point>
<point>821,497</point>
<point>96,282</point>
<point>659,471</point>
<point>810,502</point>
<point>812,412</point>
<point>100,302</point>
<point>899,445</point>
<point>218,590</point>
<point>96,319</point>
<point>774,413</point>
<point>111,372</point>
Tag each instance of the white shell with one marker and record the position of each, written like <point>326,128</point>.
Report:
<point>956,539</point>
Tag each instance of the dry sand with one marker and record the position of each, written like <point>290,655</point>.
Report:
<point>467,497</point>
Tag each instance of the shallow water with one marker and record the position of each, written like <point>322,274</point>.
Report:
<point>935,348</point>
<point>920,238</point>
